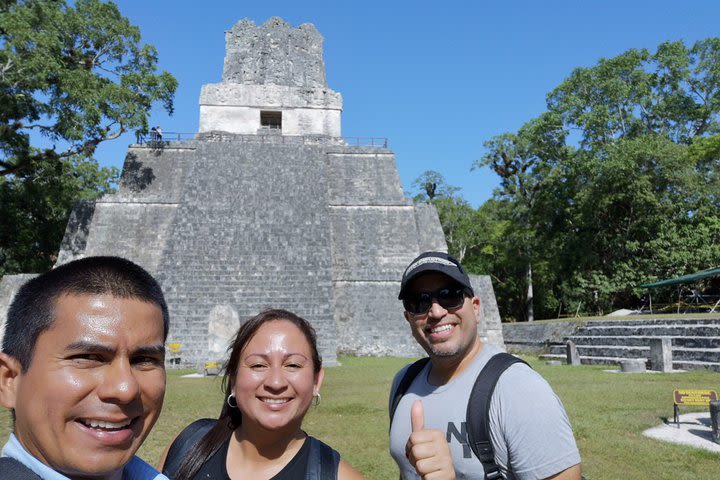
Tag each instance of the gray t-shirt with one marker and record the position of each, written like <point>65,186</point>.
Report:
<point>530,431</point>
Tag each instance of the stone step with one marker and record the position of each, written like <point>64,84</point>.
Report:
<point>247,236</point>
<point>644,340</point>
<point>664,321</point>
<point>587,360</point>
<point>693,365</point>
<point>620,351</point>
<point>625,351</point>
<point>675,330</point>
<point>677,365</point>
<point>711,355</point>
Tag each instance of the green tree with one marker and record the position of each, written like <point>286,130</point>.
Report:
<point>71,76</point>
<point>631,210</point>
<point>522,161</point>
<point>457,217</point>
<point>674,93</point>
<point>461,225</point>
<point>35,210</point>
<point>431,184</point>
<point>633,196</point>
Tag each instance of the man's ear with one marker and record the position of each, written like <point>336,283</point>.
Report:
<point>407,317</point>
<point>10,372</point>
<point>476,306</point>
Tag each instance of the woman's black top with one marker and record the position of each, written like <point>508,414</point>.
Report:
<point>215,467</point>
<point>314,461</point>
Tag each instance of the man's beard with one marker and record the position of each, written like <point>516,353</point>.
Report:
<point>444,353</point>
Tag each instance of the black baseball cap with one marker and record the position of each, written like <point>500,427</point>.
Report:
<point>435,262</point>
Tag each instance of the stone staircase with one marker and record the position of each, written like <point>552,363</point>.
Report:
<point>695,342</point>
<point>251,232</point>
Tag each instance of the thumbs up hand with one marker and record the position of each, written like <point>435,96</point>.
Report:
<point>417,416</point>
<point>427,450</point>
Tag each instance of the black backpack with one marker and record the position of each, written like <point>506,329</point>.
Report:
<point>322,464</point>
<point>478,425</point>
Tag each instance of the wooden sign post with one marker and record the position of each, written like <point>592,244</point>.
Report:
<point>691,397</point>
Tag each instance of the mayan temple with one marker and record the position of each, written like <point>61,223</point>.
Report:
<point>268,206</point>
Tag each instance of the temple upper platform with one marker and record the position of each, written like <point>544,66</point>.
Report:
<point>273,82</point>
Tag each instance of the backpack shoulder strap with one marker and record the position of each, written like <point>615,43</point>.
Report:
<point>323,461</point>
<point>184,442</point>
<point>412,371</point>
<point>478,411</point>
<point>12,469</point>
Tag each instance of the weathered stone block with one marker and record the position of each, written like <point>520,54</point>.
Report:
<point>573,357</point>
<point>661,357</point>
<point>634,365</point>
<point>274,53</point>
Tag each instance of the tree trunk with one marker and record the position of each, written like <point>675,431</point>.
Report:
<point>529,299</point>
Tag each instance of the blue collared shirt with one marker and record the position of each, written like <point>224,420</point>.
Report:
<point>137,469</point>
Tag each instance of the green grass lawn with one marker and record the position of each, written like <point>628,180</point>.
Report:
<point>608,412</point>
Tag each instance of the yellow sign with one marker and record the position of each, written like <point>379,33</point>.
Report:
<point>694,397</point>
<point>174,347</point>
<point>209,365</point>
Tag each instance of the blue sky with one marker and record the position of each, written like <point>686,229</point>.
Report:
<point>436,78</point>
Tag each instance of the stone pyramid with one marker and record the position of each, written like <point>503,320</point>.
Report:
<point>268,206</point>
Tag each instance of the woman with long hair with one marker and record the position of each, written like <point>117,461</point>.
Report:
<point>271,378</point>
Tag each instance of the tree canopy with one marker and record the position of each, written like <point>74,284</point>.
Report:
<point>71,76</point>
<point>616,184</point>
<point>458,219</point>
<point>35,210</point>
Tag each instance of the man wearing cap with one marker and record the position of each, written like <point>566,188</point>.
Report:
<point>529,430</point>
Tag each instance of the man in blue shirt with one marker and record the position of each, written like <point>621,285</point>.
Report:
<point>82,369</point>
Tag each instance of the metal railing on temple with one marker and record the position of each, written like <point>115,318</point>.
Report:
<point>378,142</point>
<point>164,137</point>
<point>153,139</point>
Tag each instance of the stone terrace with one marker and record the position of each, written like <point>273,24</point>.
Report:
<point>695,341</point>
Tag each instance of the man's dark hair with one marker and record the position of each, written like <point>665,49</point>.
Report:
<point>32,311</point>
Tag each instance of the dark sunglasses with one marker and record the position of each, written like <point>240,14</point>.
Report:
<point>419,303</point>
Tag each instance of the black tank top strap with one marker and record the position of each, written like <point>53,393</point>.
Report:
<point>323,461</point>
<point>314,461</point>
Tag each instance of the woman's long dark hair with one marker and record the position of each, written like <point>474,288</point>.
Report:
<point>231,418</point>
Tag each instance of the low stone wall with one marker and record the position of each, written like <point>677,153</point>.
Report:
<point>536,337</point>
